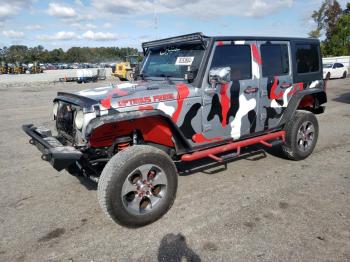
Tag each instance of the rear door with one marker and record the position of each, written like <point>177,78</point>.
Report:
<point>276,82</point>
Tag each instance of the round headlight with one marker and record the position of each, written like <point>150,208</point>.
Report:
<point>55,109</point>
<point>79,119</point>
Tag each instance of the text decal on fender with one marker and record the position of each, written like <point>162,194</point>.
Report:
<point>145,100</point>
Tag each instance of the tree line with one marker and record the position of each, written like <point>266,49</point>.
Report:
<point>25,54</point>
<point>333,24</point>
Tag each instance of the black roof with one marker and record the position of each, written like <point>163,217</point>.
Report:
<point>200,37</point>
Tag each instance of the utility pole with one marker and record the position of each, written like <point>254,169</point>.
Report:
<point>155,19</point>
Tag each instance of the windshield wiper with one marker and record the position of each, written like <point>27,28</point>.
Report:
<point>166,77</point>
<point>142,75</point>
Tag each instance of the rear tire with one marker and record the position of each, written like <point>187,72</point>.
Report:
<point>301,135</point>
<point>128,193</point>
<point>328,76</point>
<point>344,75</point>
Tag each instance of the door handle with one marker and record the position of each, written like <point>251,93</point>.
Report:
<point>210,91</point>
<point>250,90</point>
<point>285,85</point>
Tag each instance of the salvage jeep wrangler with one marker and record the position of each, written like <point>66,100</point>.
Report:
<point>194,97</point>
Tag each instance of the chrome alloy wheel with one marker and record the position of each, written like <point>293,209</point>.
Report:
<point>144,189</point>
<point>305,136</point>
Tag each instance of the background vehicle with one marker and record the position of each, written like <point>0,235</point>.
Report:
<point>35,68</point>
<point>3,68</point>
<point>198,97</point>
<point>125,70</point>
<point>336,70</point>
<point>19,68</point>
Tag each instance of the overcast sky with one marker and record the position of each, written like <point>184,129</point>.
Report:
<point>70,23</point>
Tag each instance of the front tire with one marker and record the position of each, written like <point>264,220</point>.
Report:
<point>129,76</point>
<point>301,135</point>
<point>344,75</point>
<point>138,186</point>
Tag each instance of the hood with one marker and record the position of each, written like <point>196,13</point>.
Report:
<point>135,93</point>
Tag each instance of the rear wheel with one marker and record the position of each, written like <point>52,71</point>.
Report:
<point>138,186</point>
<point>344,74</point>
<point>301,136</point>
<point>328,76</point>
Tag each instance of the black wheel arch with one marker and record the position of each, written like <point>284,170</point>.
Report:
<point>320,98</point>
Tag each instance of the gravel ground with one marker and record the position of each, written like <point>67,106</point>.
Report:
<point>260,208</point>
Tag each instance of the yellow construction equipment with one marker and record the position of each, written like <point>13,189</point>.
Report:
<point>10,69</point>
<point>19,69</point>
<point>36,69</point>
<point>3,68</point>
<point>125,70</point>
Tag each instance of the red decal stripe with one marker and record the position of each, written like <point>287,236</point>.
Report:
<point>225,103</point>
<point>220,43</point>
<point>107,101</point>
<point>256,54</point>
<point>146,107</point>
<point>200,138</point>
<point>296,87</point>
<point>183,92</point>
<point>273,90</point>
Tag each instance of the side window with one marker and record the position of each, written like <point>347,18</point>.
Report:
<point>275,59</point>
<point>340,65</point>
<point>307,58</point>
<point>237,57</point>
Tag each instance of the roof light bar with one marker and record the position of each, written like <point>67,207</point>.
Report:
<point>183,38</point>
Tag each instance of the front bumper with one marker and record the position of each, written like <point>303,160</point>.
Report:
<point>53,151</point>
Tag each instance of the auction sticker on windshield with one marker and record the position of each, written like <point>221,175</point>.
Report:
<point>184,60</point>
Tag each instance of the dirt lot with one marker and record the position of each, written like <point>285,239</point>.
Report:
<point>261,208</point>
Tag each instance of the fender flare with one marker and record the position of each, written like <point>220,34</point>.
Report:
<point>181,143</point>
<point>319,95</point>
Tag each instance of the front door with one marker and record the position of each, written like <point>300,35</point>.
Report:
<point>276,82</point>
<point>230,110</point>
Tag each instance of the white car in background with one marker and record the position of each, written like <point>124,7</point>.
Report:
<point>334,70</point>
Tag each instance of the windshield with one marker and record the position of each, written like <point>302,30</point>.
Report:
<point>327,65</point>
<point>173,61</point>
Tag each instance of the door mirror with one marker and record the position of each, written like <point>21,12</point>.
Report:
<point>219,75</point>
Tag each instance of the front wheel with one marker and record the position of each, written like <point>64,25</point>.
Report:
<point>344,75</point>
<point>129,76</point>
<point>138,186</point>
<point>301,135</point>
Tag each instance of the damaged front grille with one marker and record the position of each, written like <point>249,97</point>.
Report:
<point>65,119</point>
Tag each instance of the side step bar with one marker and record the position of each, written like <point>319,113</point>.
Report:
<point>278,137</point>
